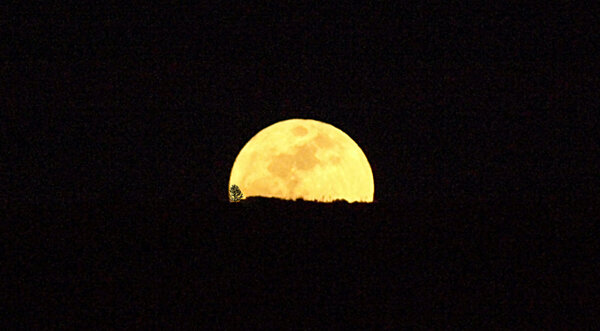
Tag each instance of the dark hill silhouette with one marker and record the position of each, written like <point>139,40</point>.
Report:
<point>266,200</point>
<point>383,264</point>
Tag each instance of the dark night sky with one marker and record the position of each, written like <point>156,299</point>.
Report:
<point>476,121</point>
<point>155,103</point>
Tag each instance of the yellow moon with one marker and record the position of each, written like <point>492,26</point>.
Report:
<point>303,158</point>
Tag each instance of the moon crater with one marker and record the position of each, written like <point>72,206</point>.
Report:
<point>300,131</point>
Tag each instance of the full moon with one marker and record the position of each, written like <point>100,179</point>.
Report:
<point>303,158</point>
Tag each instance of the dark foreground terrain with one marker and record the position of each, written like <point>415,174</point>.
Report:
<point>264,263</point>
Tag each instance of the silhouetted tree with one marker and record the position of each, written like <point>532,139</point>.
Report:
<point>235,194</point>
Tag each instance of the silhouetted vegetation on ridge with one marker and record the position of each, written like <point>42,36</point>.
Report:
<point>258,199</point>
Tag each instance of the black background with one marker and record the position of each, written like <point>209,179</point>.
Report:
<point>155,102</point>
<point>128,108</point>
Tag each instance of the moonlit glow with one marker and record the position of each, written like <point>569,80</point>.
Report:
<point>303,158</point>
